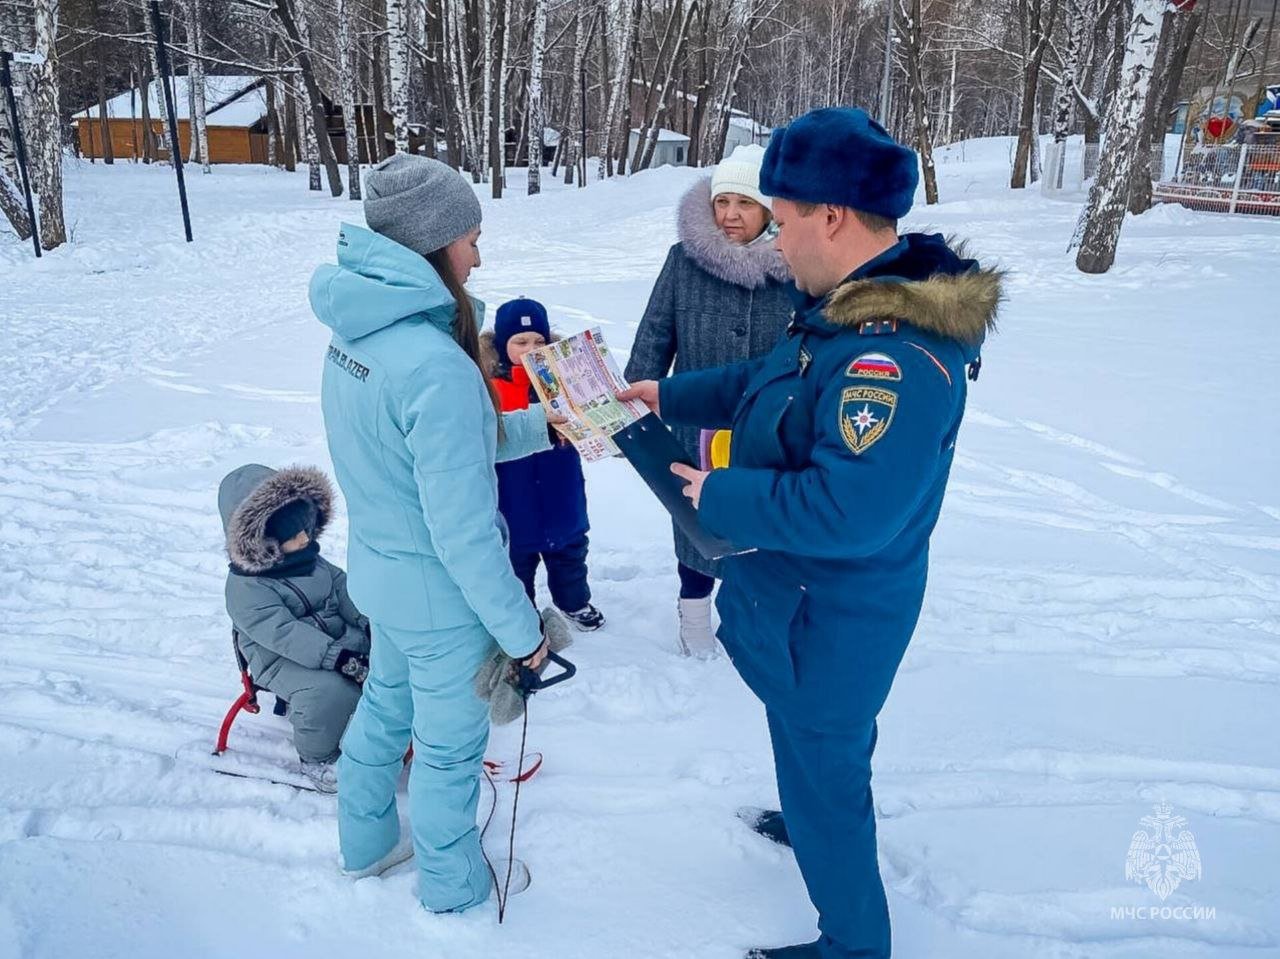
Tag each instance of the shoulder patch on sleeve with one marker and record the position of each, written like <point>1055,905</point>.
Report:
<point>874,366</point>
<point>865,415</point>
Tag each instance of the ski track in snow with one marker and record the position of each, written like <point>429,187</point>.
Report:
<point>1100,632</point>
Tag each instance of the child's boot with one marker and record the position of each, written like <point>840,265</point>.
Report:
<point>696,637</point>
<point>586,619</point>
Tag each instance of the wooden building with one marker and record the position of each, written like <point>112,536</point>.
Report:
<point>236,117</point>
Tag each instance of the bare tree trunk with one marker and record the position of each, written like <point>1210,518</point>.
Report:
<point>924,139</point>
<point>660,115</point>
<point>292,148</point>
<point>294,21</point>
<point>1140,189</point>
<point>604,154</point>
<point>310,143</point>
<point>1077,15</point>
<point>621,88</point>
<point>1104,216</point>
<point>47,135</point>
<point>536,124</point>
<point>199,126</point>
<point>398,55</point>
<point>104,124</point>
<point>504,58</point>
<point>381,149</point>
<point>1038,24</point>
<point>162,88</point>
<point>12,202</point>
<point>458,64</point>
<point>347,87</point>
<point>582,31</point>
<point>949,134</point>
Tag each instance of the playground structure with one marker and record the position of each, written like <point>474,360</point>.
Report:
<point>1229,160</point>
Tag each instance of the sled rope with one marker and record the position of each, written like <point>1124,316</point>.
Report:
<point>502,888</point>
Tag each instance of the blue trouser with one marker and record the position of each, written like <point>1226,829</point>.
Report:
<point>420,683</point>
<point>566,574</point>
<point>824,782</point>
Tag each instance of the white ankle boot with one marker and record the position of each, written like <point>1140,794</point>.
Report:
<point>696,637</point>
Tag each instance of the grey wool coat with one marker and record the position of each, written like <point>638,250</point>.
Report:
<point>715,303</point>
<point>307,619</point>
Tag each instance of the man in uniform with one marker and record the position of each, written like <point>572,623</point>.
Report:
<point>843,439</point>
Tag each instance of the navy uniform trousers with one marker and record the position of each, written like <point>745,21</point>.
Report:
<point>843,439</point>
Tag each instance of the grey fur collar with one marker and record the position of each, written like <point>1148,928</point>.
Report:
<point>248,545</point>
<point>750,267</point>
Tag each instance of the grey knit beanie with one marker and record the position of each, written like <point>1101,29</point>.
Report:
<point>419,202</point>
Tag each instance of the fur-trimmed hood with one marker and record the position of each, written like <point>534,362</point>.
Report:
<point>249,495</point>
<point>929,285</point>
<point>489,360</point>
<point>750,266</point>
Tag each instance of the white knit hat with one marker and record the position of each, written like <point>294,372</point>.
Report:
<point>740,173</point>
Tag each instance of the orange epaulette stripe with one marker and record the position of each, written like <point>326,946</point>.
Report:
<point>936,362</point>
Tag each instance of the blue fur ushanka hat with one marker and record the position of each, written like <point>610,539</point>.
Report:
<point>839,155</point>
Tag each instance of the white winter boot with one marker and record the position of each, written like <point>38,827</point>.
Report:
<point>322,776</point>
<point>696,637</point>
<point>402,851</point>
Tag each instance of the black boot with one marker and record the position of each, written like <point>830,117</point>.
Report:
<point>768,823</point>
<point>807,951</point>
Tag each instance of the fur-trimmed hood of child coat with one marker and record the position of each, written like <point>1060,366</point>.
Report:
<point>300,612</point>
<point>251,494</point>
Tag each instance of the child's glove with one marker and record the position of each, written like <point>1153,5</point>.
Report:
<point>495,680</point>
<point>352,665</point>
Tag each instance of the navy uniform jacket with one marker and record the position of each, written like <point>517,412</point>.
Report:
<point>843,438</point>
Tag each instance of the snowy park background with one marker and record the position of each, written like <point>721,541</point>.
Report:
<point>1101,633</point>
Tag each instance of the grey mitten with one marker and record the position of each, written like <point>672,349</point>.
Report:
<point>495,680</point>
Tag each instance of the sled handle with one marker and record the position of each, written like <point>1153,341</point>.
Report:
<point>530,682</point>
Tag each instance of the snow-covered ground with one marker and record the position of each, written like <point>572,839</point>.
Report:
<point>1102,630</point>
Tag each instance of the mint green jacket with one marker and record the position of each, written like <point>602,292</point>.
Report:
<point>414,438</point>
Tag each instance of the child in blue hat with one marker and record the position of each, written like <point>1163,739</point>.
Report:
<point>542,497</point>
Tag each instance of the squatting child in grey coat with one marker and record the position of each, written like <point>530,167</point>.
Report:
<point>302,636</point>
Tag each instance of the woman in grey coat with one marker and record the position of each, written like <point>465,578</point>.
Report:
<point>296,626</point>
<point>722,297</point>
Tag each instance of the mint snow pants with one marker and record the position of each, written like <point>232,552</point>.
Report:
<point>421,685</point>
<point>824,782</point>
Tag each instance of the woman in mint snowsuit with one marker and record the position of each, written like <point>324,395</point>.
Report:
<point>414,434</point>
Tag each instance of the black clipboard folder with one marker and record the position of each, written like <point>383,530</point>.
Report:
<point>651,449</point>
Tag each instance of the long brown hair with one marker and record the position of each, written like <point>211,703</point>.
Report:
<point>466,331</point>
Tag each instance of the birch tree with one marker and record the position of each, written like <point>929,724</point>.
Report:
<point>198,128</point>
<point>347,88</point>
<point>161,87</point>
<point>577,95</point>
<point>42,81</point>
<point>1104,216</point>
<point>649,134</point>
<point>621,83</point>
<point>911,16</point>
<point>398,70</point>
<point>536,54</point>
<point>293,17</point>
<point>12,203</point>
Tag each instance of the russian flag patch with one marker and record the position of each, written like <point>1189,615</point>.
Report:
<point>875,366</point>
